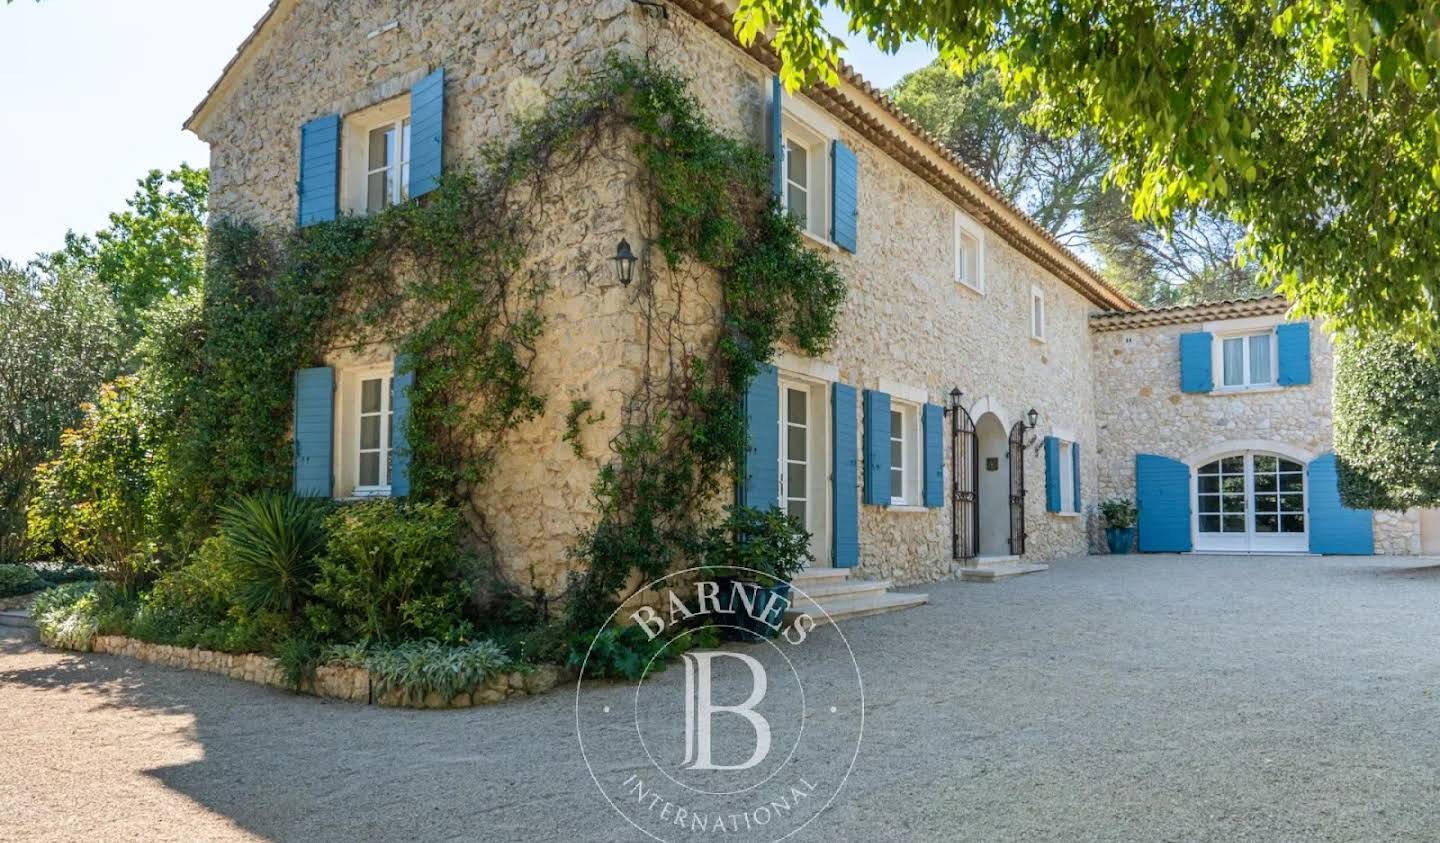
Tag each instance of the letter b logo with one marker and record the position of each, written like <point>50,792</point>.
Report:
<point>700,708</point>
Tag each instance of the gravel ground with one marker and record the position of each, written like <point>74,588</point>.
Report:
<point>1134,698</point>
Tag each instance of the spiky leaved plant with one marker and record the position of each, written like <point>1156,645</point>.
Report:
<point>275,540</point>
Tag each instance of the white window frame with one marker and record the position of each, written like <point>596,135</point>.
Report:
<point>909,438</point>
<point>1218,359</point>
<point>969,248</point>
<point>807,126</point>
<point>355,154</point>
<point>386,414</point>
<point>1068,504</point>
<point>815,377</point>
<point>351,371</point>
<point>1037,314</point>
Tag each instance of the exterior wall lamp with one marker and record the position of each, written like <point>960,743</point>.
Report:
<point>1032,418</point>
<point>624,263</point>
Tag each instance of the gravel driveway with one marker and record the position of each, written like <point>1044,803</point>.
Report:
<point>1133,698</point>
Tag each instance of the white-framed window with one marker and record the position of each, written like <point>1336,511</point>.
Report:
<point>364,438</point>
<point>969,241</point>
<point>904,453</point>
<point>372,447</point>
<point>1037,313</point>
<point>375,157</point>
<point>1245,360</point>
<point>1068,504</point>
<point>806,194</point>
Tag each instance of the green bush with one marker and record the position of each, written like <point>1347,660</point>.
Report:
<point>68,615</point>
<point>1387,430</point>
<point>629,653</point>
<point>393,571</point>
<point>417,668</point>
<point>1119,512</point>
<point>767,541</point>
<point>274,541</point>
<point>61,572</point>
<point>19,579</point>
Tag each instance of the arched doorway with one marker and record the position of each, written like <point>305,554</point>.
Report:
<point>993,445</point>
<point>1249,501</point>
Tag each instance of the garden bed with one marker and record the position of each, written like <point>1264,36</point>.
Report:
<point>331,681</point>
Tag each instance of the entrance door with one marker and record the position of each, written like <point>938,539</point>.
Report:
<point>803,476</point>
<point>1251,502</point>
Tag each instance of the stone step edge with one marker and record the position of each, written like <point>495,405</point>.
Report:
<point>861,607</point>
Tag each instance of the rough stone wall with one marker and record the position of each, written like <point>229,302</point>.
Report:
<point>907,321</point>
<point>1140,409</point>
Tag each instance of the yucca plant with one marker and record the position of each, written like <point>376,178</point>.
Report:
<point>274,543</point>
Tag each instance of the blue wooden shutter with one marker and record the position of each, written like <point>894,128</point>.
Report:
<point>1162,493</point>
<point>1292,347</point>
<point>777,143</point>
<point>844,196</point>
<point>934,494</point>
<point>1075,470</point>
<point>314,426</point>
<point>1052,474</point>
<point>844,493</point>
<point>761,484</point>
<point>403,380</point>
<point>1195,362</point>
<point>319,183</point>
<point>1335,528</point>
<point>877,448</point>
<point>427,133</point>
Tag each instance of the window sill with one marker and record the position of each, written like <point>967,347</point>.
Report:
<point>907,507</point>
<point>1066,514</point>
<point>1247,390</point>
<point>1037,340</point>
<point>820,241</point>
<point>966,285</point>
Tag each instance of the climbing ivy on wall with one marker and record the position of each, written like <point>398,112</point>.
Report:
<point>446,280</point>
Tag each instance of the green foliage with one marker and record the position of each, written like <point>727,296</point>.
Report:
<point>393,571</point>
<point>579,413</point>
<point>417,668</point>
<point>274,541</point>
<point>1387,428</point>
<point>297,656</point>
<point>94,498</point>
<point>61,572</point>
<point>19,579</point>
<point>60,345</point>
<point>767,545</point>
<point>1315,125</point>
<point>629,653</point>
<point>1119,512</point>
<point>154,249</point>
<point>68,615</point>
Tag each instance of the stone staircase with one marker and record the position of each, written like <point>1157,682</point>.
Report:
<point>843,598</point>
<point>17,619</point>
<point>992,568</point>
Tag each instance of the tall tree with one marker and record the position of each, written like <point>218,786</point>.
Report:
<point>59,340</point>
<point>1060,182</point>
<point>1314,124</point>
<point>154,248</point>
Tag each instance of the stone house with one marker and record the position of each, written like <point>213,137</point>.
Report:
<point>986,387</point>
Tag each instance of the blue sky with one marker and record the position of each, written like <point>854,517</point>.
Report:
<point>95,91</point>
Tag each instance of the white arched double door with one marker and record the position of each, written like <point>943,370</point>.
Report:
<point>1250,501</point>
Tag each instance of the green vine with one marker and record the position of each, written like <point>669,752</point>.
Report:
<point>446,281</point>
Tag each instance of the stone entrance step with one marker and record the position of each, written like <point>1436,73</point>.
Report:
<point>992,568</point>
<point>842,597</point>
<point>18,618</point>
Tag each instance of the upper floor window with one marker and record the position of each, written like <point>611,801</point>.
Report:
<point>1247,360</point>
<point>1037,313</point>
<point>806,179</point>
<point>375,157</point>
<point>969,253</point>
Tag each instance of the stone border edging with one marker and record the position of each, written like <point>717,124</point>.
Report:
<point>329,681</point>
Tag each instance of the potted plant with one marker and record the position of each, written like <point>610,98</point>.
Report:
<point>752,555</point>
<point>1119,523</point>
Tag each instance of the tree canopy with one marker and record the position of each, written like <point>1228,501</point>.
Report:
<point>1059,181</point>
<point>1314,124</point>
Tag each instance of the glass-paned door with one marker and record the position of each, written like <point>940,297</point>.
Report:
<point>804,468</point>
<point>1250,502</point>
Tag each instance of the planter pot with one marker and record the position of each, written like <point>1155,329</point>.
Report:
<point>762,618</point>
<point>1120,539</point>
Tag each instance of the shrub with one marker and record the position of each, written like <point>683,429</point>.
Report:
<point>417,668</point>
<point>767,541</point>
<point>68,616</point>
<point>393,571</point>
<point>273,541</point>
<point>91,500</point>
<point>1119,512</point>
<point>1387,433</point>
<point>61,572</point>
<point>628,652</point>
<point>19,579</point>
<point>195,605</point>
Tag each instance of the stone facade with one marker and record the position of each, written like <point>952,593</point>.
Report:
<point>1143,410</point>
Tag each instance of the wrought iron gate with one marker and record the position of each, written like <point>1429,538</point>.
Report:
<point>964,484</point>
<point>1017,489</point>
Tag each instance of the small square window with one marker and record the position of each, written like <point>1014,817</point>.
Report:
<point>1247,360</point>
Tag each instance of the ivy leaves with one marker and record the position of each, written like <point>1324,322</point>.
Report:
<point>1316,126</point>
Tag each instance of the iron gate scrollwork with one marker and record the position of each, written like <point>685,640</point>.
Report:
<point>964,484</point>
<point>1017,488</point>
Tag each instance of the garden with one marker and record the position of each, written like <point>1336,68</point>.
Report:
<point>160,513</point>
